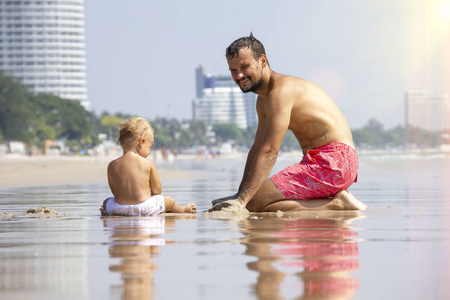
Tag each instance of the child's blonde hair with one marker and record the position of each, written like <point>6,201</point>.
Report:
<point>134,129</point>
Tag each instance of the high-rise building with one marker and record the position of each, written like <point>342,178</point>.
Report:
<point>42,44</point>
<point>220,100</point>
<point>427,111</point>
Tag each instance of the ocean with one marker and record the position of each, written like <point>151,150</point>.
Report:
<point>399,249</point>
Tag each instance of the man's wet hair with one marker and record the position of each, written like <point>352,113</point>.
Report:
<point>249,42</point>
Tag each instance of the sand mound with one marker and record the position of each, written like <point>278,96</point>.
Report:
<point>43,212</point>
<point>231,206</point>
<point>6,215</point>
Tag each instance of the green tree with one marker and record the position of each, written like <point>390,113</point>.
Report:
<point>45,132</point>
<point>248,136</point>
<point>289,142</point>
<point>423,138</point>
<point>68,117</point>
<point>34,118</point>
<point>375,131</point>
<point>16,112</point>
<point>371,134</point>
<point>167,132</point>
<point>185,139</point>
<point>227,131</point>
<point>197,129</point>
<point>396,136</point>
<point>110,124</point>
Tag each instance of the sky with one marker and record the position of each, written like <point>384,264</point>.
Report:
<point>142,54</point>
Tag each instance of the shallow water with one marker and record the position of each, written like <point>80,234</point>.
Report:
<point>400,249</point>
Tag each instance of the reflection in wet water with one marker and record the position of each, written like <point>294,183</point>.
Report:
<point>135,241</point>
<point>308,256</point>
<point>320,253</point>
<point>398,250</point>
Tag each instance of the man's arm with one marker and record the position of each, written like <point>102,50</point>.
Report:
<point>274,122</point>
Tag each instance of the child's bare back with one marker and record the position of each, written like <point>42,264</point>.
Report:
<point>134,180</point>
<point>130,178</point>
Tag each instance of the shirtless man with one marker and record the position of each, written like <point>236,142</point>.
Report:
<point>330,162</point>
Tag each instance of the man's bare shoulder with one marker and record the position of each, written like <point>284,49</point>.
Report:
<point>289,86</point>
<point>315,117</point>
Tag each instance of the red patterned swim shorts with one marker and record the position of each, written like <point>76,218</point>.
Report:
<point>321,173</point>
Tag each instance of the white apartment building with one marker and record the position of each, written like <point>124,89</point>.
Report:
<point>220,100</point>
<point>42,44</point>
<point>426,111</point>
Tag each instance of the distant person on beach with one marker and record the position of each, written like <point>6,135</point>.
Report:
<point>134,180</point>
<point>330,162</point>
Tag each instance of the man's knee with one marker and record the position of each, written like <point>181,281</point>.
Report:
<point>267,194</point>
<point>254,206</point>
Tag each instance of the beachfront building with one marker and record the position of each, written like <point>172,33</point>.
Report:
<point>220,100</point>
<point>42,44</point>
<point>426,111</point>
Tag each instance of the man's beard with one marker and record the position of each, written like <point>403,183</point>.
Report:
<point>254,86</point>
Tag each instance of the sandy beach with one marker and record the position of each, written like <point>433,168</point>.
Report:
<point>77,254</point>
<point>27,171</point>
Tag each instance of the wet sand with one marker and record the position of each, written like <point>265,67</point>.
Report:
<point>397,250</point>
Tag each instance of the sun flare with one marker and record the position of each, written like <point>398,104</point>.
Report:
<point>445,11</point>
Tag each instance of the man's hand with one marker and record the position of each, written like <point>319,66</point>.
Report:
<point>233,206</point>
<point>219,200</point>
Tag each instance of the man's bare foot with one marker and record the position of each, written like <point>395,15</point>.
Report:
<point>102,211</point>
<point>344,200</point>
<point>103,207</point>
<point>190,208</point>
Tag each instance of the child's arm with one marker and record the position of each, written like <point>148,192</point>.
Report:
<point>155,183</point>
<point>110,181</point>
